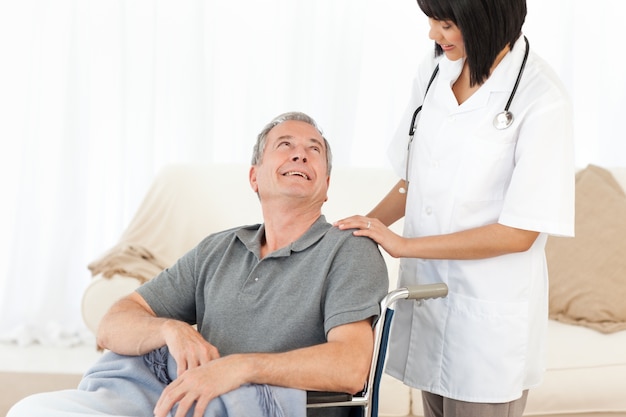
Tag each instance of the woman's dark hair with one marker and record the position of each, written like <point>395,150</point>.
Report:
<point>487,26</point>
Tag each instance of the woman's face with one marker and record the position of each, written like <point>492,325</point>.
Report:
<point>448,36</point>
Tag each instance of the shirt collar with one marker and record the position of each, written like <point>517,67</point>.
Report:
<point>253,236</point>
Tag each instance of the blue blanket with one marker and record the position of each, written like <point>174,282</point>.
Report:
<point>128,386</point>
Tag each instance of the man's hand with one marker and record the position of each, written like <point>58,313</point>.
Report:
<point>201,384</point>
<point>130,327</point>
<point>187,346</point>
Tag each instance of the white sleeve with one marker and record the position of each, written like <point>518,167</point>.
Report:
<point>540,196</point>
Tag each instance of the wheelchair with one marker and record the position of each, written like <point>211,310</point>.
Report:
<point>365,403</point>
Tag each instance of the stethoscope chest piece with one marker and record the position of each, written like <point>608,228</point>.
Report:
<point>503,120</point>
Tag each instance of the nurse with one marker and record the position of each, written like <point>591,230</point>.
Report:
<point>479,195</point>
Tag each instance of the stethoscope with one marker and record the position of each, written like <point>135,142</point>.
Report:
<point>503,120</point>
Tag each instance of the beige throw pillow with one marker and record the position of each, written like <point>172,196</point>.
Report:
<point>588,272</point>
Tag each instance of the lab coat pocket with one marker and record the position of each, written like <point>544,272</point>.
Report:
<point>487,167</point>
<point>486,349</point>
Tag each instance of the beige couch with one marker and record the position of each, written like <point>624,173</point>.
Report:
<point>586,369</point>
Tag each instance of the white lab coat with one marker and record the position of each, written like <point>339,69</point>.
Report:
<point>484,342</point>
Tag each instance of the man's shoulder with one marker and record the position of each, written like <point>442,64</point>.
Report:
<point>348,236</point>
<point>355,247</point>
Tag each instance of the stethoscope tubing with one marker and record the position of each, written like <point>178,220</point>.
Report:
<point>519,75</point>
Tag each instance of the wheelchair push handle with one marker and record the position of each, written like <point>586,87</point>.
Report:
<point>415,292</point>
<point>422,292</point>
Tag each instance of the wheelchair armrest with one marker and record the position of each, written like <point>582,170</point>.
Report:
<point>321,397</point>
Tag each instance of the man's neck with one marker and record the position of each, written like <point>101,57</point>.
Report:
<point>284,225</point>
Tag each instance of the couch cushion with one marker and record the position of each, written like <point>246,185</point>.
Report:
<point>586,372</point>
<point>588,272</point>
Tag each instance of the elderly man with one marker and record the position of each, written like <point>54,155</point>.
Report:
<point>287,304</point>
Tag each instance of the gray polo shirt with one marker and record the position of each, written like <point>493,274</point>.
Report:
<point>289,299</point>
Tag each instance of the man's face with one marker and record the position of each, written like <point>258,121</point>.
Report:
<point>293,164</point>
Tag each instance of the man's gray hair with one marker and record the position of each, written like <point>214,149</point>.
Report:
<point>259,147</point>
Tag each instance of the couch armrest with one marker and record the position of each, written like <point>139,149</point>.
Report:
<point>100,295</point>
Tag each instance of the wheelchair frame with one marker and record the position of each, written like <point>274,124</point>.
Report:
<point>367,400</point>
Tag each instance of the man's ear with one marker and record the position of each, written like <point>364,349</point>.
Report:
<point>327,186</point>
<point>252,179</point>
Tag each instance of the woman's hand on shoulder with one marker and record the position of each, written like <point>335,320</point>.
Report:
<point>373,228</point>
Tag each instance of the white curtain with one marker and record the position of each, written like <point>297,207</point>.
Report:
<point>97,95</point>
